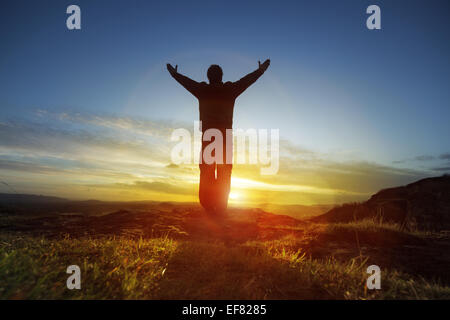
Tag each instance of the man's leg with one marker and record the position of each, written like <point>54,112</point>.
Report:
<point>206,190</point>
<point>223,180</point>
<point>223,186</point>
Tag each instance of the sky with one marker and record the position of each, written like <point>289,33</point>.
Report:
<point>89,113</point>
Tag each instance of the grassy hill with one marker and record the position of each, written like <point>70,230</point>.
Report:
<point>423,205</point>
<point>165,251</point>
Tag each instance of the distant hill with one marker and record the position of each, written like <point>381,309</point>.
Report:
<point>28,204</point>
<point>14,198</point>
<point>36,205</point>
<point>424,204</point>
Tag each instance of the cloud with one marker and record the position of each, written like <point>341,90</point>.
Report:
<point>433,161</point>
<point>300,166</point>
<point>442,169</point>
<point>156,186</point>
<point>73,142</point>
<point>27,167</point>
<point>155,128</point>
<point>424,158</point>
<point>123,157</point>
<point>71,153</point>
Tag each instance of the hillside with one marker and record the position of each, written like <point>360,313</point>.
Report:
<point>423,205</point>
<point>176,251</point>
<point>297,211</point>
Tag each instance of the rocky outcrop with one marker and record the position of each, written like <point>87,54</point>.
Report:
<point>424,204</point>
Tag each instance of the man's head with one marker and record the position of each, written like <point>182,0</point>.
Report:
<point>215,74</point>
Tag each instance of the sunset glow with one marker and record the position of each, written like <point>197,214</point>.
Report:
<point>99,127</point>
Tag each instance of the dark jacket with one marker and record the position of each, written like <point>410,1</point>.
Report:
<point>216,101</point>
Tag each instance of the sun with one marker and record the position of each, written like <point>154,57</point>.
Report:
<point>234,195</point>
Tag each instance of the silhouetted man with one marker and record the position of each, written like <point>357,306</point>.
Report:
<point>216,102</point>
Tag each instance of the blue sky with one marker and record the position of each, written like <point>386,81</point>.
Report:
<point>334,87</point>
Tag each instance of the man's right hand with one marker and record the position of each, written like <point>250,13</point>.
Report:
<point>264,66</point>
<point>171,69</point>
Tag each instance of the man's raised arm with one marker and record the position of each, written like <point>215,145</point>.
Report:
<point>190,85</point>
<point>242,84</point>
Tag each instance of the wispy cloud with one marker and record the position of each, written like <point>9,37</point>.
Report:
<point>424,158</point>
<point>156,186</point>
<point>104,156</point>
<point>429,162</point>
<point>444,169</point>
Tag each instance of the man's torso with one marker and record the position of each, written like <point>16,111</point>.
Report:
<point>216,104</point>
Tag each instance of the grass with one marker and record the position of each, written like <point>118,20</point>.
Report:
<point>163,268</point>
<point>377,225</point>
<point>111,268</point>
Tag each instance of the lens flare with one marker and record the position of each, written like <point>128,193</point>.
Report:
<point>234,196</point>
